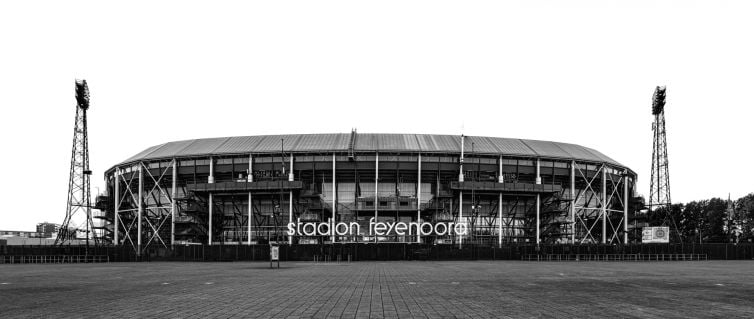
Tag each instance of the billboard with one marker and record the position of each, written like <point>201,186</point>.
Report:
<point>655,235</point>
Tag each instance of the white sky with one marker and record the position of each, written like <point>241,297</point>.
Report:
<point>581,72</point>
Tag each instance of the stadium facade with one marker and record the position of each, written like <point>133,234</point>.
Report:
<point>254,190</point>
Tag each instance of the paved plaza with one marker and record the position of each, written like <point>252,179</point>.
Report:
<point>463,289</point>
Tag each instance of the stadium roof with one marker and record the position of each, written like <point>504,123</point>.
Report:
<point>425,143</point>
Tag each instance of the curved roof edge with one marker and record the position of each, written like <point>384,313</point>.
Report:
<point>370,142</point>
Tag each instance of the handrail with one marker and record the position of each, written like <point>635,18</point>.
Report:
<point>53,259</point>
<point>614,257</point>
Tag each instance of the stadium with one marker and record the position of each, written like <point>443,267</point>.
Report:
<point>251,190</point>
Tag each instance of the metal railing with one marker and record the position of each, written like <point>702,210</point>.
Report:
<point>320,258</point>
<point>614,257</point>
<point>54,259</point>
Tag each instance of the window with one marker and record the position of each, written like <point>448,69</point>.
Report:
<point>487,160</point>
<point>407,158</point>
<point>447,159</point>
<point>525,163</point>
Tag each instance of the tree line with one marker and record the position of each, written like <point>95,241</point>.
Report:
<point>713,220</point>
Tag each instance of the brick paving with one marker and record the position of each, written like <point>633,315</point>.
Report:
<point>463,289</point>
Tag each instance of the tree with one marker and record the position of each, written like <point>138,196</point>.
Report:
<point>714,213</point>
<point>745,215</point>
<point>693,221</point>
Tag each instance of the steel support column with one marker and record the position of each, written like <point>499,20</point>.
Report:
<point>172,202</point>
<point>249,178</point>
<point>537,233</point>
<point>538,180</point>
<point>376,185</point>
<point>334,195</point>
<point>573,202</point>
<point>141,210</point>
<point>419,199</point>
<point>500,220</point>
<point>209,229</point>
<point>625,207</point>
<point>500,179</point>
<point>116,215</point>
<point>248,222</point>
<point>290,202</point>
<point>460,194</point>
<point>604,204</point>
<point>460,216</point>
<point>290,215</point>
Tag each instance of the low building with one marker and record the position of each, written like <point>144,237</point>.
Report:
<point>47,229</point>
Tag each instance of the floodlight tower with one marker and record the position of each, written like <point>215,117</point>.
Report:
<point>79,195</point>
<point>659,193</point>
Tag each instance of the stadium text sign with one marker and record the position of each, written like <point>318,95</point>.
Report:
<point>375,228</point>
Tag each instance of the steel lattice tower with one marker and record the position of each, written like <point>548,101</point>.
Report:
<point>79,195</point>
<point>659,193</point>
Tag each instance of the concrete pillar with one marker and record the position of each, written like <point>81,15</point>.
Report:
<point>500,178</point>
<point>209,229</point>
<point>250,176</point>
<point>460,173</point>
<point>116,215</point>
<point>211,178</point>
<point>290,171</point>
<point>141,209</point>
<point>172,202</point>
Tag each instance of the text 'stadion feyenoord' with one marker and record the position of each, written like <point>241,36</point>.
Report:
<point>376,228</point>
